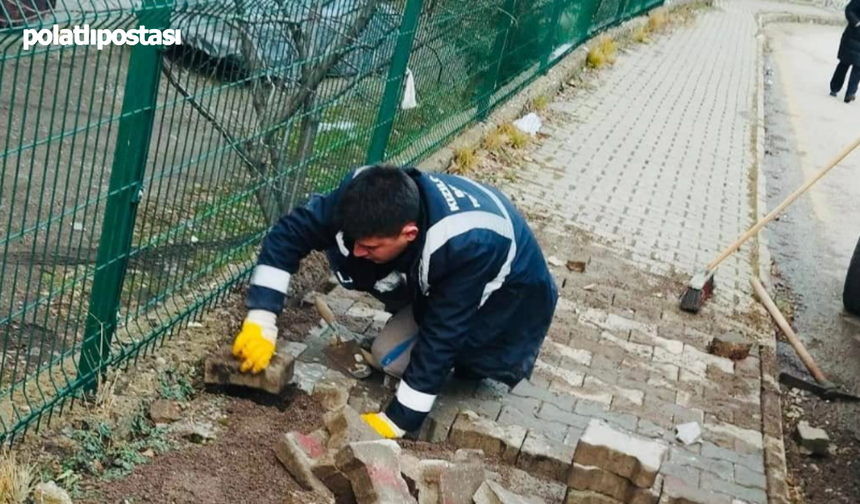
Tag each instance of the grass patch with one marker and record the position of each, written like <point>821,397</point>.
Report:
<point>657,20</point>
<point>17,479</point>
<point>540,103</point>
<point>517,138</point>
<point>641,34</point>
<point>603,52</point>
<point>465,160</point>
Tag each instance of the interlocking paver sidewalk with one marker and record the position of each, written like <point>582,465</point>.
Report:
<point>645,175</point>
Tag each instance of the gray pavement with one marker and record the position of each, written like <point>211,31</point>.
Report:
<point>814,241</point>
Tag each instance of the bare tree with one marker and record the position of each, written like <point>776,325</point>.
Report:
<point>276,101</point>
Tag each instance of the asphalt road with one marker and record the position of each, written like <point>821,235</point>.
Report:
<point>813,242</point>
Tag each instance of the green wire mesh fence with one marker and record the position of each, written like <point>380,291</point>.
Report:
<point>138,180</point>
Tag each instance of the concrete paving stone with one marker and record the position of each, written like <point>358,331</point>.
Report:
<point>332,390</point>
<point>749,478</point>
<point>528,389</point>
<point>595,479</point>
<point>686,473</point>
<point>514,417</point>
<point>553,413</point>
<point>493,493</point>
<point>299,453</point>
<point>642,351</point>
<point>588,497</point>
<point>473,431</point>
<point>620,453</point>
<point>373,469</point>
<point>721,468</point>
<point>676,491</point>
<point>222,368</point>
<point>630,395</point>
<point>716,484</point>
<point>461,478</point>
<point>545,457</point>
<point>346,426</point>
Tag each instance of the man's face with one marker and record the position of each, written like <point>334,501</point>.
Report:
<point>385,249</point>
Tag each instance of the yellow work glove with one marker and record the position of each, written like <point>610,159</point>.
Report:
<point>255,343</point>
<point>383,425</point>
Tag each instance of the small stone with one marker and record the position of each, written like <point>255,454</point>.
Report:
<point>163,412</point>
<point>543,456</point>
<point>196,432</point>
<point>491,492</point>
<point>346,426</point>
<point>222,368</point>
<point>815,440</point>
<point>50,493</point>
<point>373,469</point>
<point>299,453</point>
<point>620,453</point>
<point>149,453</point>
<point>731,346</point>
<point>332,390</point>
<point>459,481</point>
<point>473,431</point>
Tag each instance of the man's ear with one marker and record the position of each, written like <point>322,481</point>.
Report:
<point>410,231</point>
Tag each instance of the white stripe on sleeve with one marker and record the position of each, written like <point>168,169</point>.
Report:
<point>271,277</point>
<point>414,400</point>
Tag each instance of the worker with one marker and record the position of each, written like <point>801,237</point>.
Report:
<point>450,258</point>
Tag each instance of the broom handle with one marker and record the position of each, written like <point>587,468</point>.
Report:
<point>789,333</point>
<point>737,245</point>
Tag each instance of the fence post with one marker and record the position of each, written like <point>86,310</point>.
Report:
<point>549,41</point>
<point>124,193</point>
<point>506,17</point>
<point>394,83</point>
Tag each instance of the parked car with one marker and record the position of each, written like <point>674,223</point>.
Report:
<point>851,293</point>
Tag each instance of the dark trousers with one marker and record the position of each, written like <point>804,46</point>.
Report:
<point>839,78</point>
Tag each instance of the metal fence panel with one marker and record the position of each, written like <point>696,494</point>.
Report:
<point>136,182</point>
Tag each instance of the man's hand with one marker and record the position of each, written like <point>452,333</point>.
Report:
<point>383,425</point>
<point>255,343</point>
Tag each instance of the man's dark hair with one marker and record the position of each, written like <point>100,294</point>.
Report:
<point>378,202</point>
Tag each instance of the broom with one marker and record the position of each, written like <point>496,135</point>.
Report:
<point>702,285</point>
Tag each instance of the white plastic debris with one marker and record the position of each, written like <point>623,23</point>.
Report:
<point>409,100</point>
<point>688,433</point>
<point>530,123</point>
<point>77,226</point>
<point>554,261</point>
<point>194,239</point>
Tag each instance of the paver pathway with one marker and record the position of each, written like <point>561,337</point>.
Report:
<point>656,163</point>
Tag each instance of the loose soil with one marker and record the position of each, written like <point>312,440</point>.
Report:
<point>239,466</point>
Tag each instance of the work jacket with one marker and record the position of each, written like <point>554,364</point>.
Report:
<point>482,295</point>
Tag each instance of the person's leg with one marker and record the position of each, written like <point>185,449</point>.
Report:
<point>392,348</point>
<point>839,77</point>
<point>853,82</point>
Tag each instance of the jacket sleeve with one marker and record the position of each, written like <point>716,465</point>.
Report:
<point>306,228</point>
<point>852,13</point>
<point>449,316</point>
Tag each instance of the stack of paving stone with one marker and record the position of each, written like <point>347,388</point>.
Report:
<point>612,467</point>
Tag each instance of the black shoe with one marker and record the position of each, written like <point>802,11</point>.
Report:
<point>834,93</point>
<point>849,99</point>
